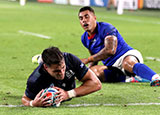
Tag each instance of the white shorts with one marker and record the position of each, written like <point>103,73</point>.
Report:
<point>134,53</point>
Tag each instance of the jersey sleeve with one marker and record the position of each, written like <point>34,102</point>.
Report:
<point>83,40</point>
<point>31,91</point>
<point>109,30</point>
<point>33,85</point>
<point>79,68</point>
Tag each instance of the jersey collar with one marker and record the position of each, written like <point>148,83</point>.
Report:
<point>91,37</point>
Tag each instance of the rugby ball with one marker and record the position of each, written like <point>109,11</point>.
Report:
<point>51,93</point>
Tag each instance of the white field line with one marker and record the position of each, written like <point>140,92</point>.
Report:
<point>34,34</point>
<point>142,34</point>
<point>153,58</point>
<point>11,106</point>
<point>117,18</point>
<point>130,104</point>
<point>130,20</point>
<point>97,104</point>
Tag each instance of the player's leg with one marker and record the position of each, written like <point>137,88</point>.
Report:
<point>114,3</point>
<point>99,71</point>
<point>132,65</point>
<point>22,2</point>
<point>108,74</point>
<point>109,5</point>
<point>120,7</point>
<point>111,2</point>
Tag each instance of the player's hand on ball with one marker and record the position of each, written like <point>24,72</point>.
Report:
<point>41,101</point>
<point>61,95</point>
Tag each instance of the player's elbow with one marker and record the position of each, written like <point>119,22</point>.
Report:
<point>25,100</point>
<point>110,52</point>
<point>98,85</point>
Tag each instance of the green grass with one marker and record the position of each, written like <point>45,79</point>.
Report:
<point>141,30</point>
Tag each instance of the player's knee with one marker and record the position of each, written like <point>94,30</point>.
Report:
<point>128,63</point>
<point>100,73</point>
<point>95,70</point>
<point>98,70</point>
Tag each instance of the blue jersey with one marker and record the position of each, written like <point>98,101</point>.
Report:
<point>96,42</point>
<point>40,79</point>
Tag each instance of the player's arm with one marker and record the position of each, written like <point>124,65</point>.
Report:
<point>110,46</point>
<point>90,84</point>
<point>39,101</point>
<point>91,63</point>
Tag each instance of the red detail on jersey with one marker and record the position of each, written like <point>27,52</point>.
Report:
<point>92,36</point>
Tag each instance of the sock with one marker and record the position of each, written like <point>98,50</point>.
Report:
<point>143,71</point>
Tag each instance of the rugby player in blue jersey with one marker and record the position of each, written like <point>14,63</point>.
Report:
<point>105,44</point>
<point>59,69</point>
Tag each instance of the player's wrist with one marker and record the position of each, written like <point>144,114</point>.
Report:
<point>71,93</point>
<point>90,59</point>
<point>31,103</point>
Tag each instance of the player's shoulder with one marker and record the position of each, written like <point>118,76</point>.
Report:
<point>36,74</point>
<point>69,56</point>
<point>70,59</point>
<point>85,34</point>
<point>104,25</point>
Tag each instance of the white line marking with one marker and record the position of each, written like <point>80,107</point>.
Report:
<point>11,105</point>
<point>153,58</point>
<point>130,20</point>
<point>142,34</point>
<point>97,104</point>
<point>129,104</point>
<point>34,34</point>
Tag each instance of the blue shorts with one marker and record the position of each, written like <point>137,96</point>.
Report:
<point>113,74</point>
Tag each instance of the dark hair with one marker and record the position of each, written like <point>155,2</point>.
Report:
<point>86,8</point>
<point>52,55</point>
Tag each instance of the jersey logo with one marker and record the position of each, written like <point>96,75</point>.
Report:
<point>93,41</point>
<point>69,74</point>
<point>82,65</point>
<point>64,85</point>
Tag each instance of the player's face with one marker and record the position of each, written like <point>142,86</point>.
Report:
<point>87,21</point>
<point>57,70</point>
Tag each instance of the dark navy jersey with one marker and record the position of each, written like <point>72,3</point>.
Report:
<point>96,42</point>
<point>40,79</point>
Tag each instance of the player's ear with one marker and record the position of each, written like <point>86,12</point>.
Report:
<point>45,66</point>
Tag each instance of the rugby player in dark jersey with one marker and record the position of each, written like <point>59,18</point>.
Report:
<point>106,44</point>
<point>59,70</point>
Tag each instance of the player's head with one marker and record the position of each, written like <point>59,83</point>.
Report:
<point>54,62</point>
<point>87,19</point>
<point>86,8</point>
